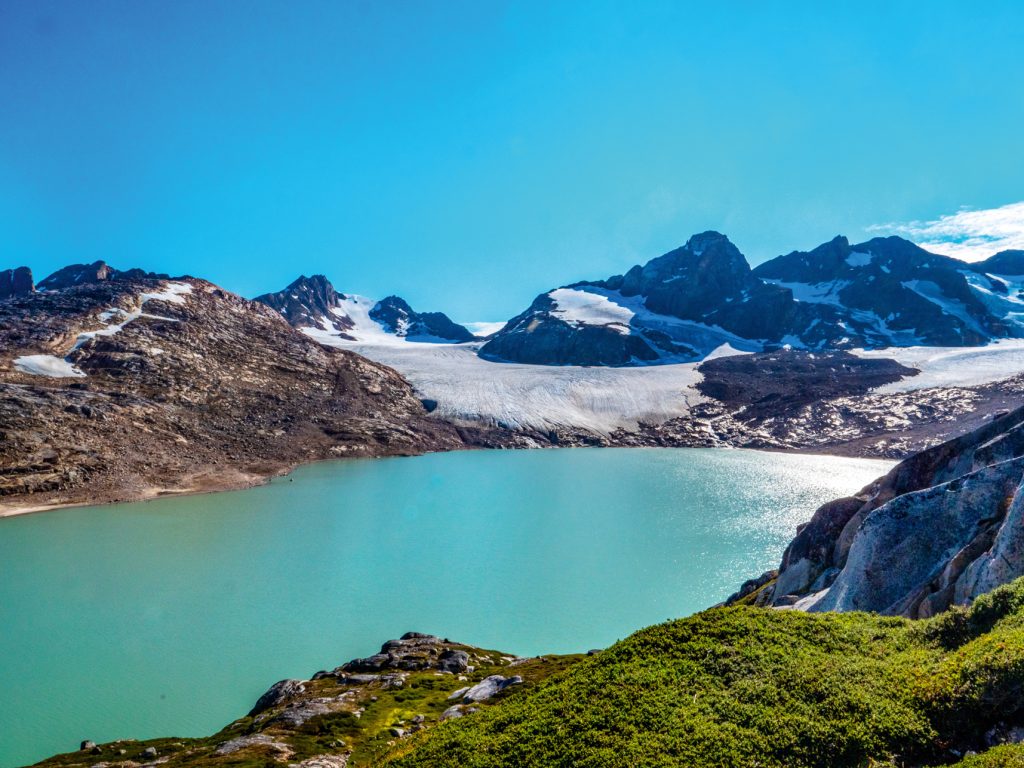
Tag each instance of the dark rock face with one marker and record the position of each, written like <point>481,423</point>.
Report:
<point>487,688</point>
<point>398,317</point>
<point>201,391</point>
<point>414,651</point>
<point>278,693</point>
<point>1003,263</point>
<point>773,383</point>
<point>16,282</point>
<point>943,527</point>
<point>307,301</point>
<point>97,272</point>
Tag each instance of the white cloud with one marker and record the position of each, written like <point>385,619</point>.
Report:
<point>967,234</point>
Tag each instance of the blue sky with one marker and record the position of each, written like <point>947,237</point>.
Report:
<point>470,155</point>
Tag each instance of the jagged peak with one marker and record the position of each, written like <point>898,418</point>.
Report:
<point>96,272</point>
<point>704,240</point>
<point>316,281</point>
<point>395,301</point>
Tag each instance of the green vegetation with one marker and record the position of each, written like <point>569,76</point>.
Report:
<point>752,687</point>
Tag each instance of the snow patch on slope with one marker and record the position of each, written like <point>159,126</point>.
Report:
<point>47,365</point>
<point>931,291</point>
<point>1008,305</point>
<point>364,328</point>
<point>702,337</point>
<point>814,293</point>
<point>578,307</point>
<point>56,367</point>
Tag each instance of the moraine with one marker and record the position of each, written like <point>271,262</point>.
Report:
<point>172,615</point>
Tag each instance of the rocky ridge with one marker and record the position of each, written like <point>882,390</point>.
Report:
<point>124,386</point>
<point>313,304</point>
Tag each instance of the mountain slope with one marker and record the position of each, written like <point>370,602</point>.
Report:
<point>313,305</point>
<point>117,388</point>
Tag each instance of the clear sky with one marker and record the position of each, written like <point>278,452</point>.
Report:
<point>468,155</point>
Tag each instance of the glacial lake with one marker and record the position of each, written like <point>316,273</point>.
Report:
<point>171,617</point>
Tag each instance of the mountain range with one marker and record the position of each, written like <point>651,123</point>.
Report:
<point>681,306</point>
<point>312,304</point>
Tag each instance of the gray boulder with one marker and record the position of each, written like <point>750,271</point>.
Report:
<point>453,661</point>
<point>255,740</point>
<point>278,693</point>
<point>489,687</point>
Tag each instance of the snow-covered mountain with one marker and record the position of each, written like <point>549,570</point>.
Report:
<point>312,305</point>
<point>890,292</point>
<point>681,306</point>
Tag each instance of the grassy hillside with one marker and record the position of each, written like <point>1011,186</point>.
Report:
<point>752,687</point>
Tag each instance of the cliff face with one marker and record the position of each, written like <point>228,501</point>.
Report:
<point>121,387</point>
<point>16,282</point>
<point>943,527</point>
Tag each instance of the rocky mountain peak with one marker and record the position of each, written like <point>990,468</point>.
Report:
<point>16,282</point>
<point>708,261</point>
<point>307,301</point>
<point>77,274</point>
<point>312,302</point>
<point>1002,263</point>
<point>713,243</point>
<point>397,317</point>
<point>97,272</point>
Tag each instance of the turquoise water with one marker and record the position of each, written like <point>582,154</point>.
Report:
<point>171,617</point>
